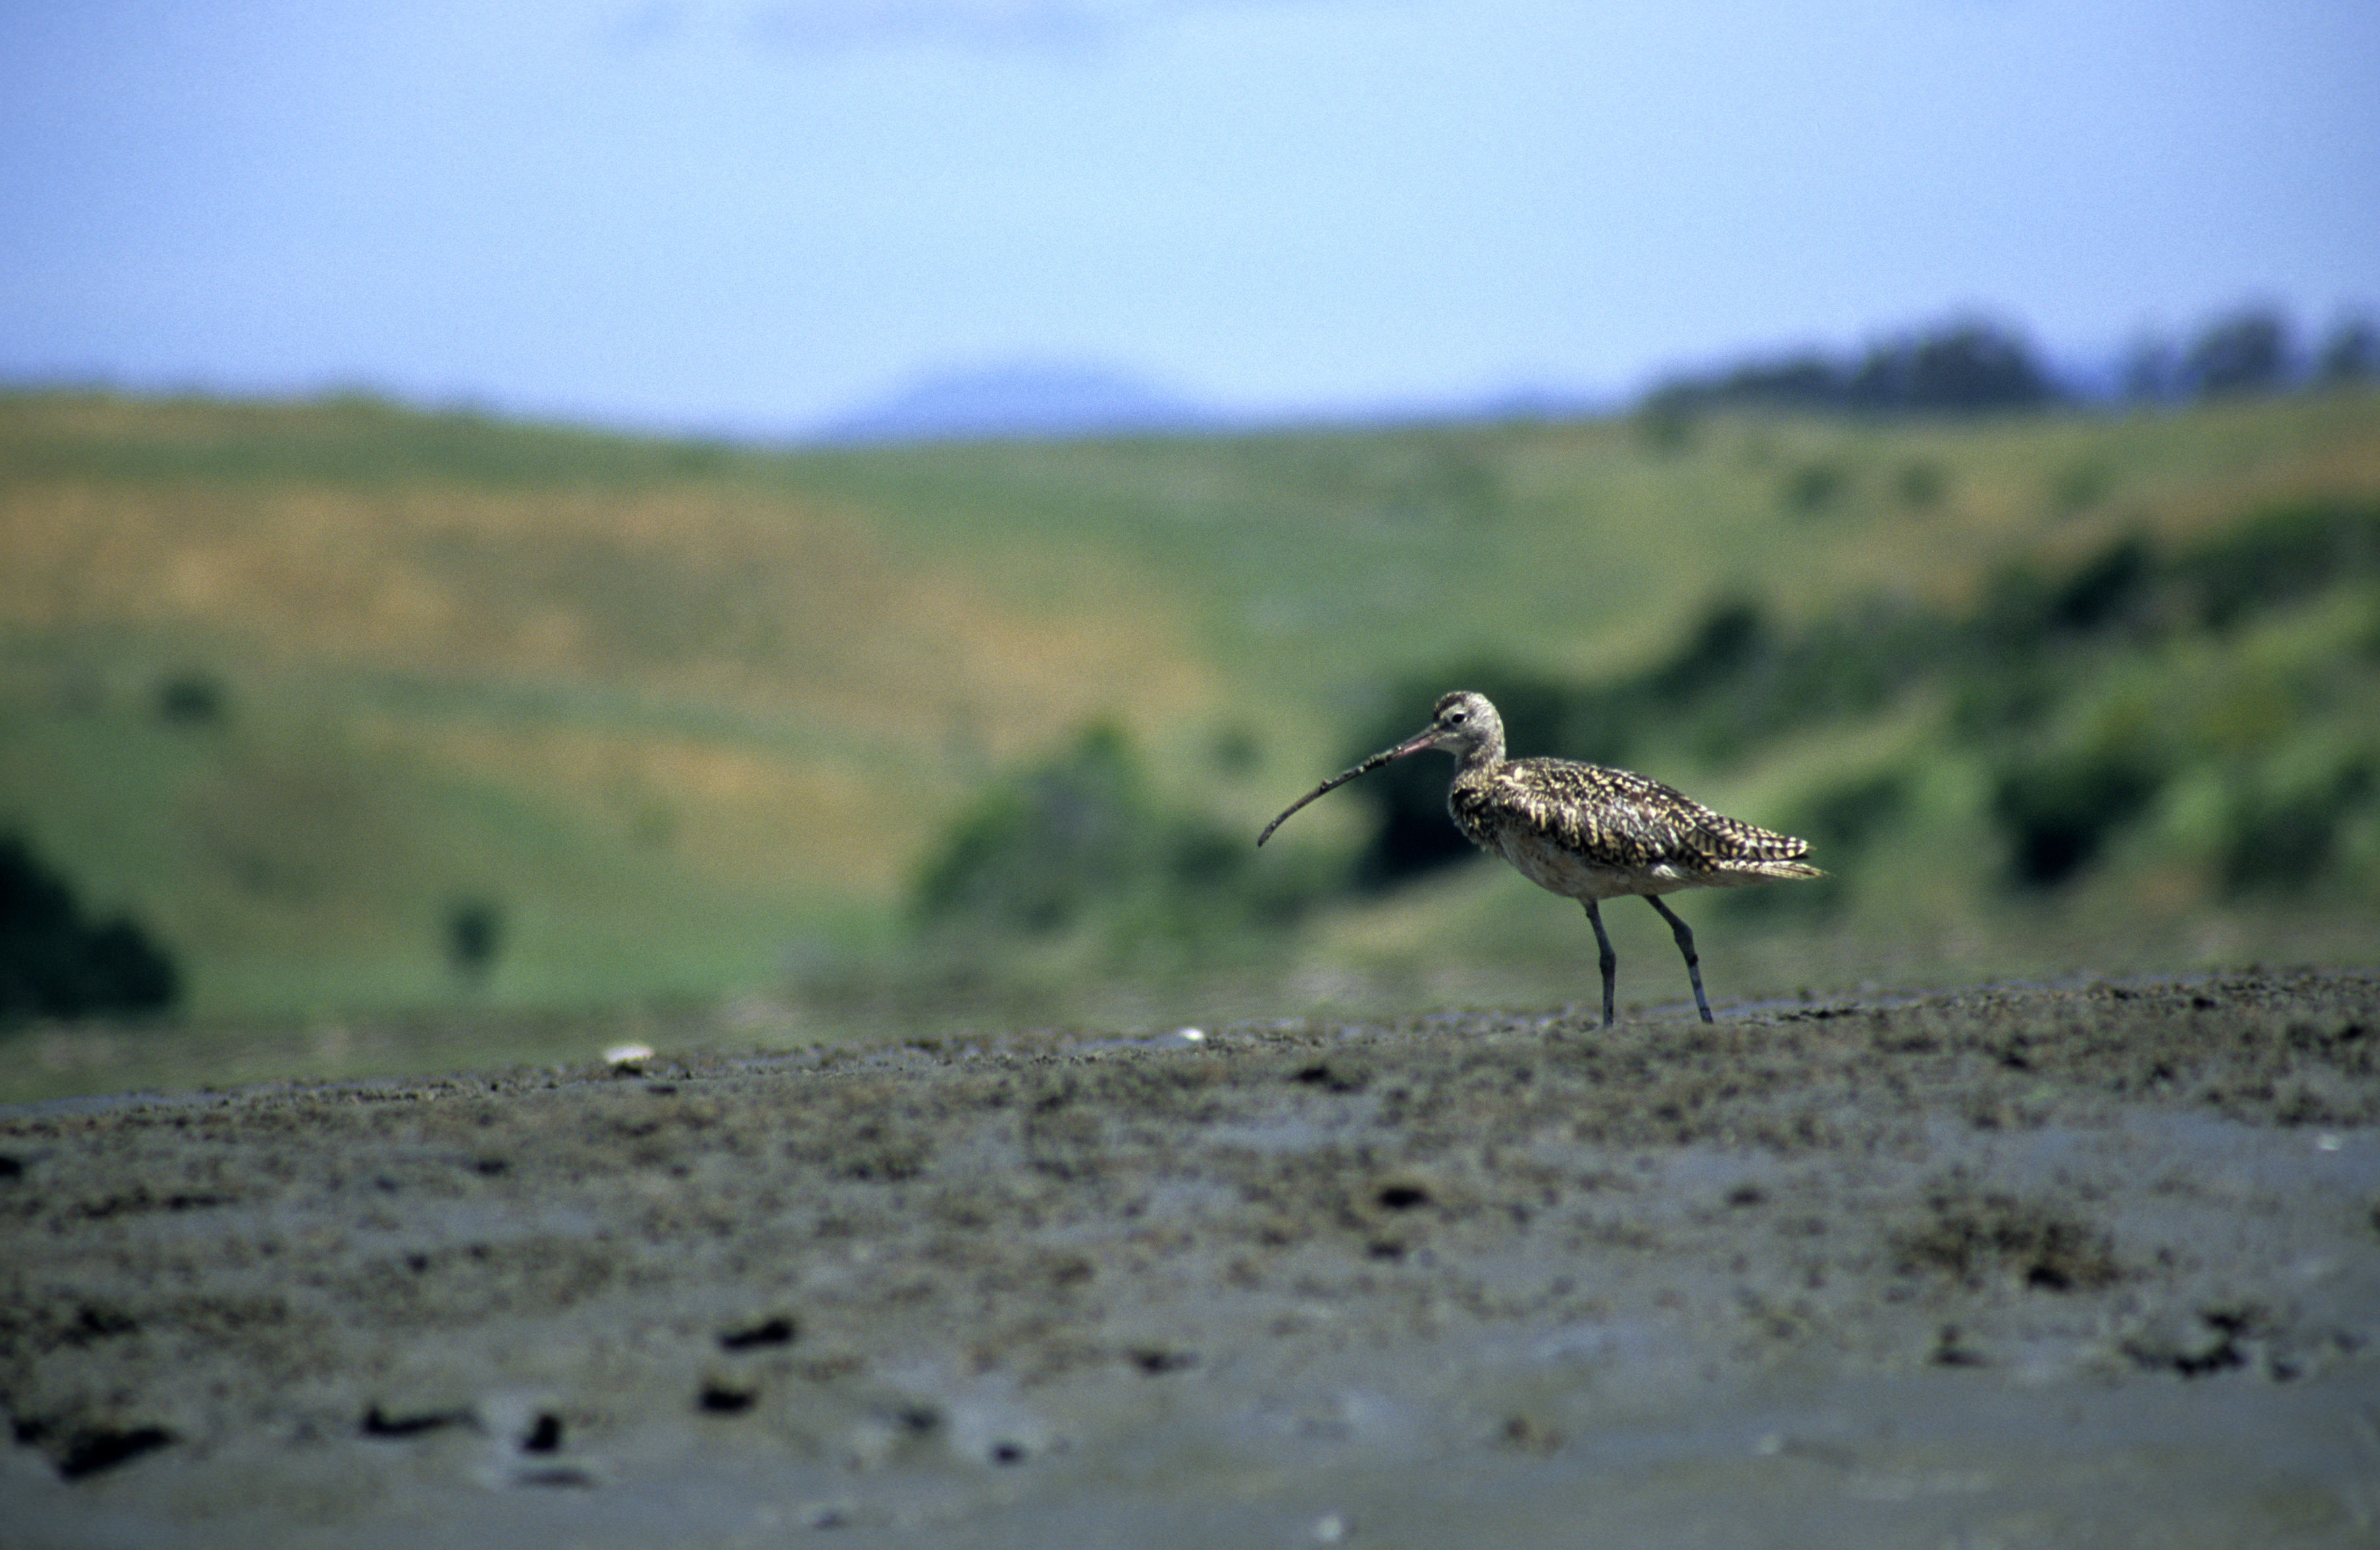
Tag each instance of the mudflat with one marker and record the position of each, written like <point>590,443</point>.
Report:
<point>2085,1266</point>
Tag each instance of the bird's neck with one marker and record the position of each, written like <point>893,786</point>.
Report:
<point>1481,758</point>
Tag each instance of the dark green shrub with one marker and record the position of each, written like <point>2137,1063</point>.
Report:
<point>2006,698</point>
<point>1733,635</point>
<point>2059,812</point>
<point>54,963</point>
<point>475,935</point>
<point>1037,850</point>
<point>1080,841</point>
<point>2288,553</point>
<point>2287,840</point>
<point>1844,820</point>
<point>2108,588</point>
<point>191,699</point>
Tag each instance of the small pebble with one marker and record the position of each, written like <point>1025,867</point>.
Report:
<point>627,1057</point>
<point>1330,1529</point>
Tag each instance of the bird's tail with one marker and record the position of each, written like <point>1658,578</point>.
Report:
<point>1742,871</point>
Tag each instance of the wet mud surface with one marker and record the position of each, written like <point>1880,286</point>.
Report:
<point>2012,1267</point>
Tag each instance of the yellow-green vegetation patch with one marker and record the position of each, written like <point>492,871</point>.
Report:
<point>354,707</point>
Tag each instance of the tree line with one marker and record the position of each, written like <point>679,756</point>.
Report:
<point>1975,366</point>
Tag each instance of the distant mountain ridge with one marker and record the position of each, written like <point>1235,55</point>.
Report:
<point>1022,399</point>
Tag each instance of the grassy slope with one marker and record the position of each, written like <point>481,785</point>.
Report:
<point>668,707</point>
<point>678,706</point>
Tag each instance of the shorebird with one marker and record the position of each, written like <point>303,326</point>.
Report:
<point>1584,830</point>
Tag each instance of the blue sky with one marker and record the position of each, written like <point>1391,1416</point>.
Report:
<point>754,217</point>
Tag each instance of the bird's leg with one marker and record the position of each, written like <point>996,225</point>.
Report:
<point>1607,959</point>
<point>1678,929</point>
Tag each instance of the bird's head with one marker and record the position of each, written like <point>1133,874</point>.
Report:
<point>1461,723</point>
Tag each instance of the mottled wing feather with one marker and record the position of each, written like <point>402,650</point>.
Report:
<point>1612,817</point>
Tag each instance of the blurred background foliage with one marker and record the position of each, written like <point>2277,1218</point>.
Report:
<point>2023,683</point>
<point>372,738</point>
<point>1082,840</point>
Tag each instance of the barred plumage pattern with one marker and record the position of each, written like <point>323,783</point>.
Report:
<point>1644,836</point>
<point>1586,831</point>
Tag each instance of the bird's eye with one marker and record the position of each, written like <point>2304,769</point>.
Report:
<point>1454,718</point>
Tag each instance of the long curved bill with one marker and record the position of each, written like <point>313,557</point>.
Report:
<point>1413,745</point>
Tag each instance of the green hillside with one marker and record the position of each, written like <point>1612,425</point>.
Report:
<point>307,689</point>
